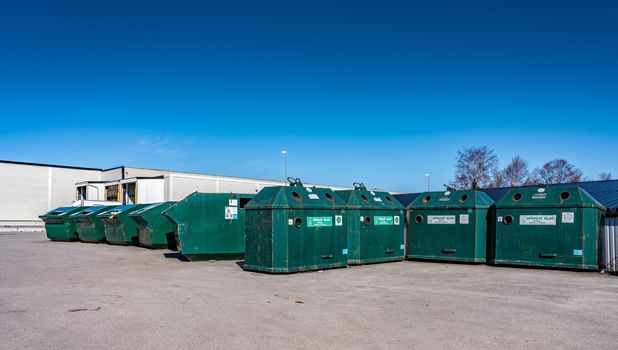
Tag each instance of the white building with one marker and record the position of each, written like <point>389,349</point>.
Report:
<point>28,190</point>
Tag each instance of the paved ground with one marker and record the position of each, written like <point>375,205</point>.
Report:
<point>86,296</point>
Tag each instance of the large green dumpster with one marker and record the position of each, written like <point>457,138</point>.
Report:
<point>550,227</point>
<point>89,227</point>
<point>119,227</point>
<point>449,225</point>
<point>210,225</point>
<point>375,225</point>
<point>155,229</point>
<point>295,228</point>
<point>59,226</point>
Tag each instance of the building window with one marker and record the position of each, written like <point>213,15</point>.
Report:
<point>81,193</point>
<point>111,193</point>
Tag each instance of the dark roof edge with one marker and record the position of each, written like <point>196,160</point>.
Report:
<point>49,165</point>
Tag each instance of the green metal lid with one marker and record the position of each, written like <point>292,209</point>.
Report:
<point>464,199</point>
<point>548,197</point>
<point>365,199</point>
<point>59,212</point>
<point>90,211</point>
<point>158,207</point>
<point>295,197</point>
<point>121,209</point>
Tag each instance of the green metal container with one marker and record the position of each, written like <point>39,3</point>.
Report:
<point>210,225</point>
<point>119,227</point>
<point>292,229</point>
<point>551,227</point>
<point>155,229</point>
<point>449,226</point>
<point>90,228</point>
<point>375,226</point>
<point>59,226</point>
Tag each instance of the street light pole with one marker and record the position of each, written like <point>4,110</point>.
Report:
<point>428,176</point>
<point>285,165</point>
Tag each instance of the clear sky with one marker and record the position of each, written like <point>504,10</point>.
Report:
<point>374,91</point>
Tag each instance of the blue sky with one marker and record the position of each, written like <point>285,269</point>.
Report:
<point>380,92</point>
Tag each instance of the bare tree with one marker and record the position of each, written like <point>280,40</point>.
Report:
<point>516,173</point>
<point>605,176</point>
<point>475,168</point>
<point>556,172</point>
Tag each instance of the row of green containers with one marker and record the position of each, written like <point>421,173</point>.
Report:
<point>287,229</point>
<point>547,227</point>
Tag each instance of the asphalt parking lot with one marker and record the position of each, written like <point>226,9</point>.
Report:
<point>56,295</point>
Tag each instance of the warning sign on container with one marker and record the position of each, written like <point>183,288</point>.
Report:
<point>537,220</point>
<point>231,213</point>
<point>441,219</point>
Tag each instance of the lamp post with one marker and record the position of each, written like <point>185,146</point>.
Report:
<point>428,176</point>
<point>284,153</point>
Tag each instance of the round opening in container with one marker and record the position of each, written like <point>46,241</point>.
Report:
<point>418,219</point>
<point>463,198</point>
<point>298,222</point>
<point>426,199</point>
<point>296,195</point>
<point>329,197</point>
<point>508,220</point>
<point>517,196</point>
<point>564,196</point>
<point>367,220</point>
<point>365,198</point>
<point>389,199</point>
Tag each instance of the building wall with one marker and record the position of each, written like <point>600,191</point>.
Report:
<point>150,191</point>
<point>27,191</point>
<point>110,175</point>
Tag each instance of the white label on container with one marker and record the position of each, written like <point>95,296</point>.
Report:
<point>233,202</point>
<point>338,220</point>
<point>578,252</point>
<point>401,247</point>
<point>377,199</point>
<point>441,219</point>
<point>313,196</point>
<point>362,218</point>
<point>499,218</point>
<point>344,251</point>
<point>537,219</point>
<point>568,217</point>
<point>290,222</point>
<point>231,213</point>
<point>464,219</point>
<point>396,220</point>
<point>308,189</point>
<point>372,193</point>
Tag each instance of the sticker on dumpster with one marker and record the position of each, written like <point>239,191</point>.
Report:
<point>372,193</point>
<point>444,199</point>
<point>499,218</point>
<point>537,219</point>
<point>308,189</point>
<point>344,251</point>
<point>231,213</point>
<point>539,195</point>
<point>319,221</point>
<point>578,252</point>
<point>568,217</point>
<point>382,220</point>
<point>290,222</point>
<point>447,193</point>
<point>441,219</point>
<point>233,202</point>
<point>541,190</point>
<point>401,247</point>
<point>338,220</point>
<point>377,199</point>
<point>464,219</point>
<point>396,220</point>
<point>313,196</point>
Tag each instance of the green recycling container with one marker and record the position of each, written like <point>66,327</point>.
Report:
<point>119,227</point>
<point>90,228</point>
<point>155,229</point>
<point>375,226</point>
<point>59,226</point>
<point>210,225</point>
<point>555,227</point>
<point>295,228</point>
<point>449,226</point>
